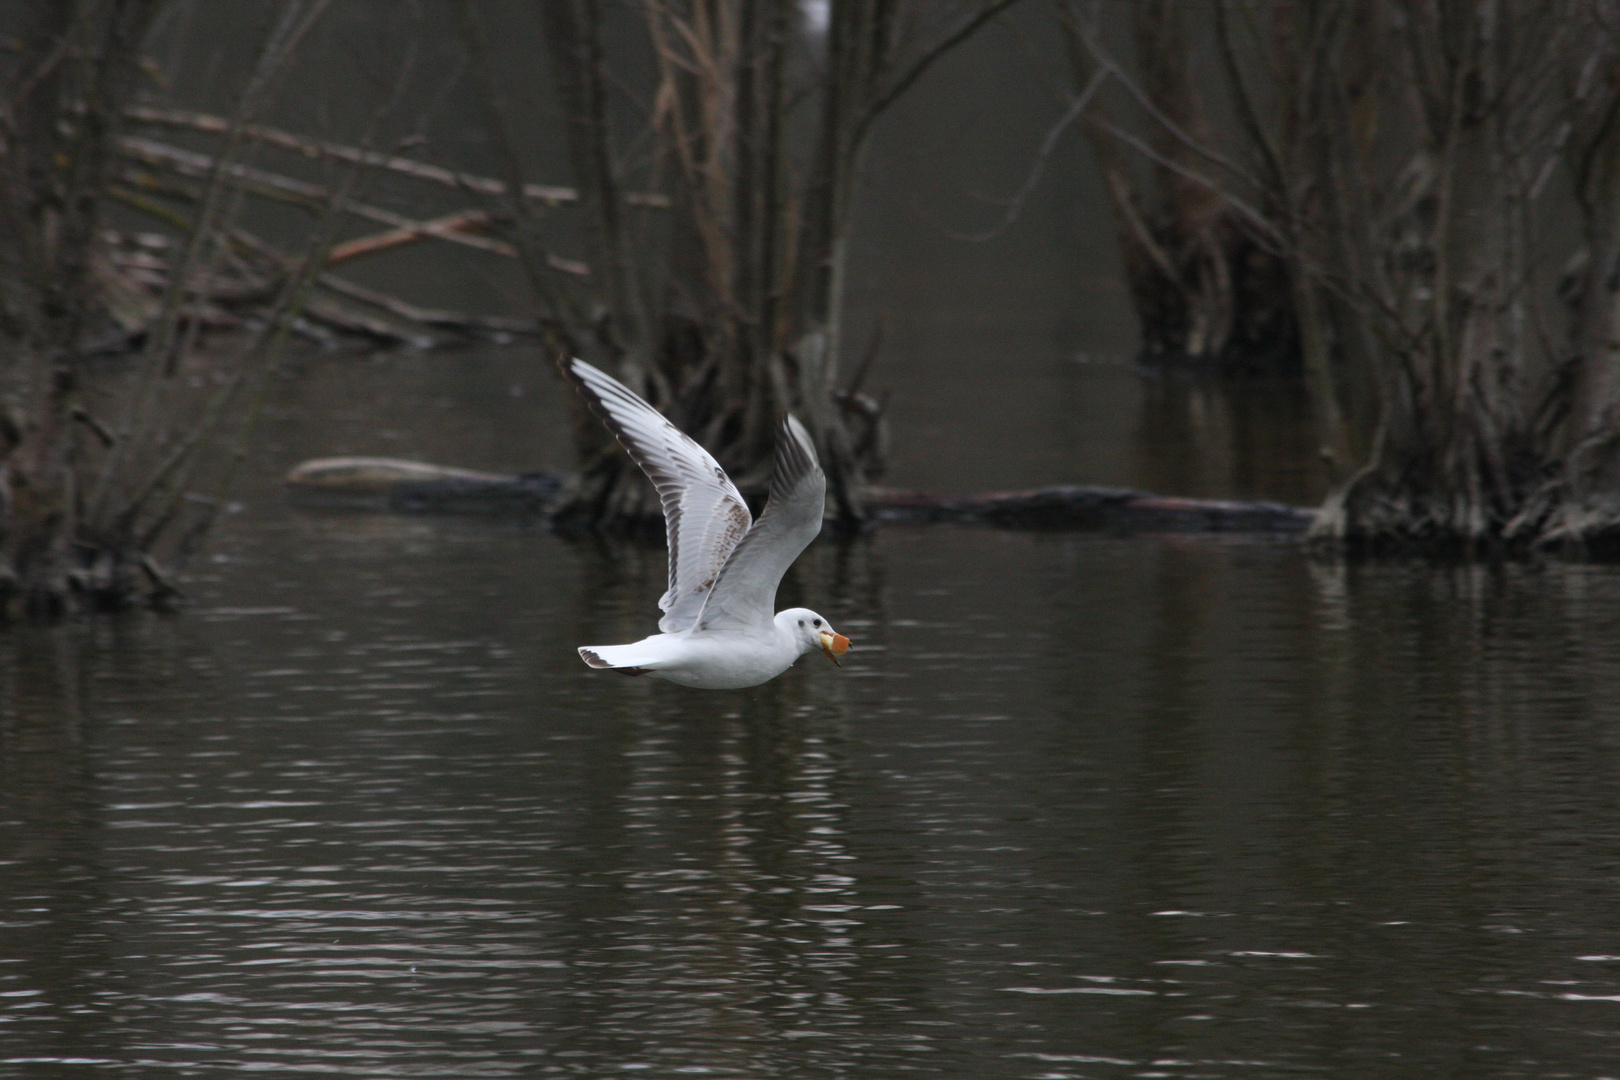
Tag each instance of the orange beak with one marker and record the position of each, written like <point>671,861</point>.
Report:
<point>834,645</point>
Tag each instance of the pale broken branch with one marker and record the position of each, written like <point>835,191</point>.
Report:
<point>459,227</point>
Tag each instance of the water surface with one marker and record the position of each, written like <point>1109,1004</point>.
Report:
<point>1076,806</point>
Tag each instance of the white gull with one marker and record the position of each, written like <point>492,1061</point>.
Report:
<point>724,567</point>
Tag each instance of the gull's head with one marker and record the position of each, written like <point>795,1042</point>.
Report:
<point>811,631</point>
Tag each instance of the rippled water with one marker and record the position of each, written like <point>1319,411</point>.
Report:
<point>1076,806</point>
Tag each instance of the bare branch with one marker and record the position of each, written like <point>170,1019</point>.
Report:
<point>1048,144</point>
<point>908,78</point>
<point>1249,213</point>
<point>1244,101</point>
<point>454,228</point>
<point>1197,146</point>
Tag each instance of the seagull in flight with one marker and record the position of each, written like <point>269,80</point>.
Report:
<point>719,632</point>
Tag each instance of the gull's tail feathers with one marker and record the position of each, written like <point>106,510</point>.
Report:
<point>625,659</point>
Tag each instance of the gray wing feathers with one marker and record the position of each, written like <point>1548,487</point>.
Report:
<point>744,598</point>
<point>704,515</point>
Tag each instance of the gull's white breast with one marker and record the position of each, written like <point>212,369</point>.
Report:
<point>711,660</point>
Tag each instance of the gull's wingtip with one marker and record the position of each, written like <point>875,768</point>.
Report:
<point>579,372</point>
<point>797,432</point>
<point>607,397</point>
<point>796,449</point>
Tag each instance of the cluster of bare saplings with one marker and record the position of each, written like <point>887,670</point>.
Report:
<point>1418,205</point>
<point>1417,202</point>
<point>711,275</point>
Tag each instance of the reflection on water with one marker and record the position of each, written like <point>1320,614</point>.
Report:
<point>1076,807</point>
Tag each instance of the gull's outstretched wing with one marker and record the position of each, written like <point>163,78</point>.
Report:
<point>745,596</point>
<point>703,513</point>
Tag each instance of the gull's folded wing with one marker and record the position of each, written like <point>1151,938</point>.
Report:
<point>704,515</point>
<point>744,598</point>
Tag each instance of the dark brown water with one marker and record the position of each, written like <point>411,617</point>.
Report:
<point>1076,806</point>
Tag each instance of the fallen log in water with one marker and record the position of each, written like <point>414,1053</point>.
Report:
<point>414,487</point>
<point>1079,506</point>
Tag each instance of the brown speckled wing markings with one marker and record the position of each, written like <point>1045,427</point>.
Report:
<point>745,596</point>
<point>704,515</point>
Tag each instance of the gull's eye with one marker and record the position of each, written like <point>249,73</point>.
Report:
<point>818,622</point>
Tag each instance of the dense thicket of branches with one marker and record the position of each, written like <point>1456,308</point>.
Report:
<point>725,312</point>
<point>1418,204</point>
<point>714,146</point>
<point>1422,174</point>
<point>102,462</point>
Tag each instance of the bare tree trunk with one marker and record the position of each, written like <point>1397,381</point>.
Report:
<point>1397,159</point>
<point>63,94</point>
<point>1463,466</point>
<point>1587,515</point>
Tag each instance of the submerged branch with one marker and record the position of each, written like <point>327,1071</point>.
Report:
<point>488,325</point>
<point>454,228</point>
<point>547,194</point>
<point>254,276</point>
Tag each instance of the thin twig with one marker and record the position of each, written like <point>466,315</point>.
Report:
<point>1197,146</point>
<point>1257,219</point>
<point>508,190</point>
<point>1048,144</point>
<point>1247,114</point>
<point>881,101</point>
